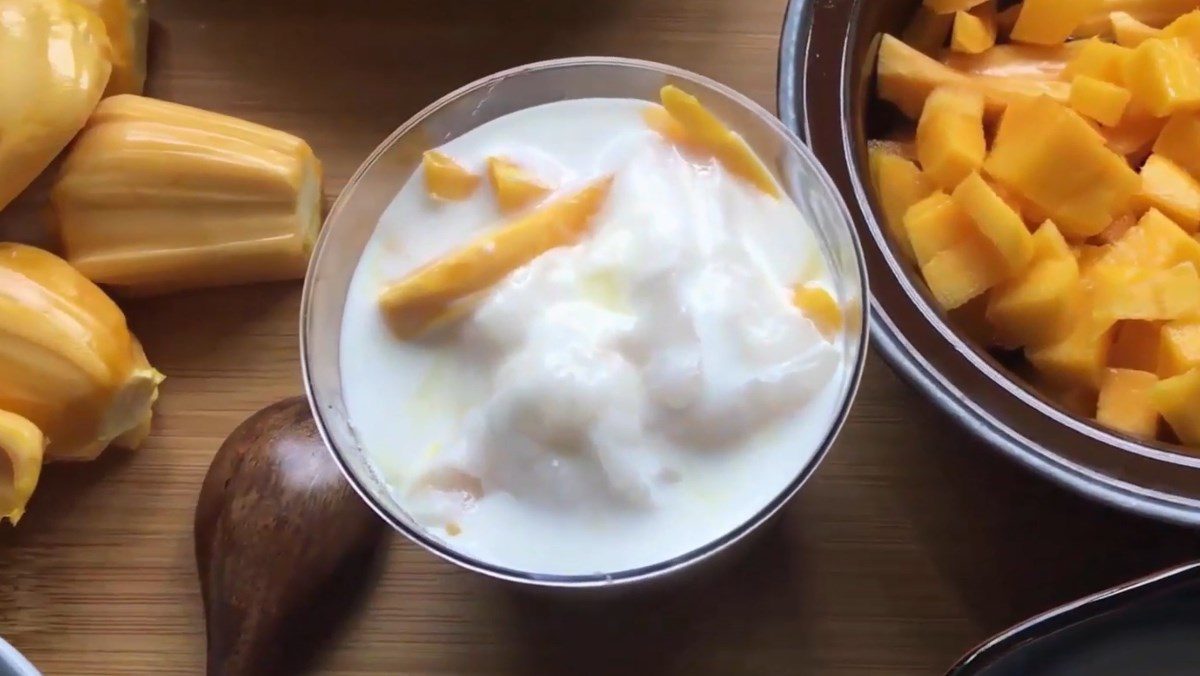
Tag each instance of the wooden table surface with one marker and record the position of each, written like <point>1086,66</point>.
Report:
<point>910,545</point>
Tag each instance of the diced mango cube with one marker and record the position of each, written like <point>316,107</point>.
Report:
<point>1175,398</point>
<point>1179,348</point>
<point>906,77</point>
<point>447,179</point>
<point>1155,242</point>
<point>1136,346</point>
<point>899,184</point>
<point>819,306</point>
<point>1167,187</point>
<point>996,221</point>
<point>934,224</point>
<point>734,153</point>
<point>950,137</point>
<point>962,272</point>
<point>1164,77</point>
<point>1128,31</point>
<point>515,187</point>
<point>1121,292</point>
<point>1117,229</point>
<point>1186,28</point>
<point>1135,135</point>
<point>1050,22</point>
<point>1052,157</point>
<point>1100,60</point>
<point>1101,101</point>
<point>1037,307</point>
<point>1125,404</point>
<point>974,33</point>
<point>1179,141</point>
<point>1079,358</point>
<point>1049,244</point>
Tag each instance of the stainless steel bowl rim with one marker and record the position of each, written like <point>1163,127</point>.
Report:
<point>637,575</point>
<point>905,360</point>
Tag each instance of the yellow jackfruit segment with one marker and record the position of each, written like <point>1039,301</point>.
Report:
<point>22,445</point>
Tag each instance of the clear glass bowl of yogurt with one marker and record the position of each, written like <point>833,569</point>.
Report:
<point>623,404</point>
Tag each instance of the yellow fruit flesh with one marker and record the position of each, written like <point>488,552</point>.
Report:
<point>1178,348</point>
<point>1121,292</point>
<point>411,305</point>
<point>1164,77</point>
<point>446,179</point>
<point>726,145</point>
<point>899,185</point>
<point>55,58</point>
<point>127,23</point>
<point>950,136</point>
<point>22,446</point>
<point>156,197</point>
<point>1175,398</point>
<point>1128,31</point>
<point>996,221</point>
<point>973,34</point>
<point>515,187</point>
<point>928,30</point>
<point>1050,156</point>
<point>1179,140</point>
<point>71,366</point>
<point>820,307</point>
<point>1125,404</point>
<point>1099,100</point>
<point>1049,22</point>
<point>1170,189</point>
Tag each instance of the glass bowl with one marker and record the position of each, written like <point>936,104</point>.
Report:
<point>826,89</point>
<point>354,217</point>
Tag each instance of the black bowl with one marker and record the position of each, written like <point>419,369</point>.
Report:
<point>826,96</point>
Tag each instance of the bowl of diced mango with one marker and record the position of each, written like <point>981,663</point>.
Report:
<point>1026,176</point>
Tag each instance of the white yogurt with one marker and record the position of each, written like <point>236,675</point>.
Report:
<point>611,405</point>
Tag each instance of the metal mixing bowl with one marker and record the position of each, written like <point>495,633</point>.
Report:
<point>357,211</point>
<point>825,94</point>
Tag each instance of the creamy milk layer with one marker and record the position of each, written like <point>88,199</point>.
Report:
<point>612,404</point>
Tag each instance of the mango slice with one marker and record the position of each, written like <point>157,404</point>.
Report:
<point>1049,22</point>
<point>1121,292</point>
<point>973,33</point>
<point>820,307</point>
<point>515,187</point>
<point>996,221</point>
<point>1154,13</point>
<point>1175,398</point>
<point>657,118</point>
<point>950,136</point>
<point>22,446</point>
<point>412,304</point>
<point>1164,77</point>
<point>1098,100</point>
<point>1037,307</point>
<point>935,224</point>
<point>1050,156</point>
<point>906,77</point>
<point>1078,359</point>
<point>1155,242</point>
<point>1125,404</point>
<point>1178,348</point>
<point>1030,62</point>
<point>446,179</point>
<point>1100,60</point>
<point>963,272</point>
<point>1179,140</point>
<point>726,145</point>
<point>1128,31</point>
<point>1170,189</point>
<point>899,185</point>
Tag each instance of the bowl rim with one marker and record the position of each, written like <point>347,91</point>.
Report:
<point>796,49</point>
<point>657,570</point>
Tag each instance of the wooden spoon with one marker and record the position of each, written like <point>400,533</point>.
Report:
<point>282,544</point>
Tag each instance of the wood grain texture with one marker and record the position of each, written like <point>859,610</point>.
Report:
<point>911,544</point>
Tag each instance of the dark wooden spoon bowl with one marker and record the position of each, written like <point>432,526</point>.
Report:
<point>283,544</point>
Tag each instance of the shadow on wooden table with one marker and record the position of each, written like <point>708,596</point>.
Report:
<point>1013,544</point>
<point>711,623</point>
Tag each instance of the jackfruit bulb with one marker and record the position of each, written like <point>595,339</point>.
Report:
<point>71,367</point>
<point>21,447</point>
